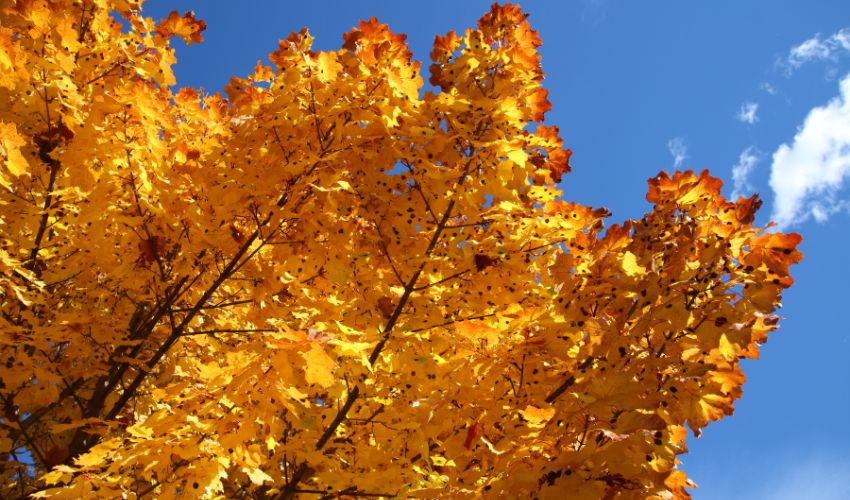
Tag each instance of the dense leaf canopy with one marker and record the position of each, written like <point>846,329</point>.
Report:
<point>332,281</point>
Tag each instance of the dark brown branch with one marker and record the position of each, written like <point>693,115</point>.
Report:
<point>561,389</point>
<point>226,330</point>
<point>513,387</point>
<point>304,470</point>
<point>545,245</point>
<point>216,306</point>
<point>374,414</point>
<point>178,332</point>
<point>44,156</point>
<point>149,489</point>
<point>12,415</point>
<point>521,374</point>
<point>226,273</point>
<point>447,278</point>
<point>80,444</point>
<point>141,325</point>
<point>387,254</point>
<point>74,396</point>
<point>584,434</point>
<point>418,188</point>
<point>106,73</point>
<point>392,264</point>
<point>447,323</point>
<point>40,413</point>
<point>470,224</point>
<point>353,492</point>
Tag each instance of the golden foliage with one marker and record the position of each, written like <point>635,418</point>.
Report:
<point>332,281</point>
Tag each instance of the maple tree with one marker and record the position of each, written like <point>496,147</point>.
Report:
<point>331,282</point>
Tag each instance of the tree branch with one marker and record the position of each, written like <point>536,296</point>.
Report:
<point>458,320</point>
<point>220,305</point>
<point>561,389</point>
<point>44,156</point>
<point>302,472</point>
<point>470,224</point>
<point>447,278</point>
<point>225,330</point>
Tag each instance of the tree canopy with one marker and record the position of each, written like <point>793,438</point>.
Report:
<point>333,281</point>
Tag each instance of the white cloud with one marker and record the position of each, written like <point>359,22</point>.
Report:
<point>767,87</point>
<point>811,49</point>
<point>817,49</point>
<point>807,175</point>
<point>742,170</point>
<point>842,38</point>
<point>678,149</point>
<point>748,113</point>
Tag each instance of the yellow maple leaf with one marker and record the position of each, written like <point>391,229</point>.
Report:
<point>319,367</point>
<point>257,475</point>
<point>537,417</point>
<point>630,265</point>
<point>328,66</point>
<point>10,147</point>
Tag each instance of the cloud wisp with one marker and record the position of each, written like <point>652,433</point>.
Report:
<point>742,170</point>
<point>807,175</point>
<point>818,478</point>
<point>678,150</point>
<point>748,113</point>
<point>767,87</point>
<point>818,49</point>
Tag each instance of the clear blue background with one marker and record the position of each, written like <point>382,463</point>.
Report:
<point>624,78</point>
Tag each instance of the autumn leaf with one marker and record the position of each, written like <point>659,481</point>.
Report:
<point>186,27</point>
<point>537,417</point>
<point>10,148</point>
<point>257,476</point>
<point>630,265</point>
<point>319,367</point>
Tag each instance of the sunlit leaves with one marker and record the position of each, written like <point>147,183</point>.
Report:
<point>319,367</point>
<point>332,280</point>
<point>10,148</point>
<point>186,27</point>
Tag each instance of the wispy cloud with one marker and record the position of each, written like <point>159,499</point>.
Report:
<point>807,174</point>
<point>742,170</point>
<point>809,478</point>
<point>678,150</point>
<point>749,113</point>
<point>818,49</point>
<point>767,87</point>
<point>593,12</point>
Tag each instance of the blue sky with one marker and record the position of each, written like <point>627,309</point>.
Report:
<point>757,91</point>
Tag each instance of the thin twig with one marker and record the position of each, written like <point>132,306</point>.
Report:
<point>447,278</point>
<point>229,330</point>
<point>447,323</point>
